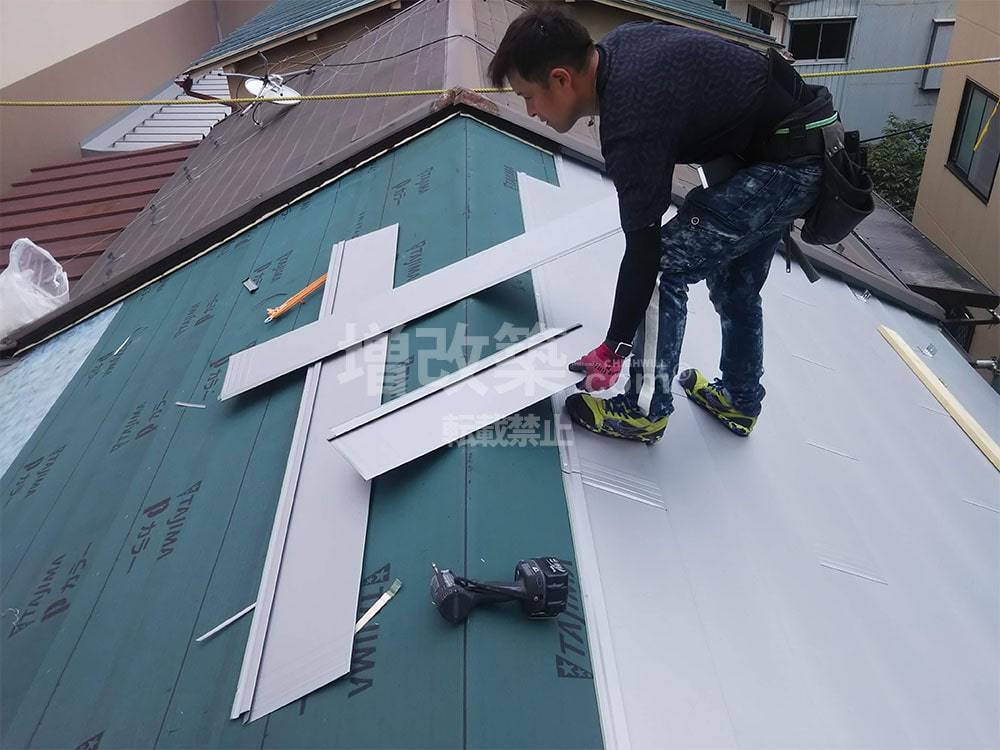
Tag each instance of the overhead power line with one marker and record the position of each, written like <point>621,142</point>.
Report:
<point>898,132</point>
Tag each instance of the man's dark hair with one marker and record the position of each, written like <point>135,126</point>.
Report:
<point>538,41</point>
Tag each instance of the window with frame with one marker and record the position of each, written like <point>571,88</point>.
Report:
<point>937,52</point>
<point>720,3</point>
<point>820,40</point>
<point>759,19</point>
<point>976,166</point>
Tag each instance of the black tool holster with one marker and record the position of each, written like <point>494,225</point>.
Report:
<point>845,197</point>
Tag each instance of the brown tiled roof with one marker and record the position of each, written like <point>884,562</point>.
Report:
<point>75,210</point>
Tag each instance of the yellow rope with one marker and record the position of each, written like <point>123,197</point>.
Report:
<point>898,68</point>
<point>415,92</point>
<point>986,126</point>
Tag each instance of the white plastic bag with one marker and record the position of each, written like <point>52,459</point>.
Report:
<point>30,286</point>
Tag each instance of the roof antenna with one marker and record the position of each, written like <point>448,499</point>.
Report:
<point>269,86</point>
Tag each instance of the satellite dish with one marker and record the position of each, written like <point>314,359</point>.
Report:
<point>271,88</point>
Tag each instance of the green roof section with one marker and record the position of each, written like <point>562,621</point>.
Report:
<point>278,20</point>
<point>132,524</point>
<point>707,11</point>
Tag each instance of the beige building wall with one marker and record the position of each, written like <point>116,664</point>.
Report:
<point>35,34</point>
<point>128,64</point>
<point>947,211</point>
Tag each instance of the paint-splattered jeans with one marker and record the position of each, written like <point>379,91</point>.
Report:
<point>726,234</point>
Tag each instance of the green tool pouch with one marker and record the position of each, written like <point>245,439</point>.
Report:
<point>845,196</point>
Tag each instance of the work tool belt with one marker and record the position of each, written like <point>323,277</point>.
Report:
<point>797,122</point>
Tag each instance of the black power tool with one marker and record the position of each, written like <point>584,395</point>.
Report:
<point>541,584</point>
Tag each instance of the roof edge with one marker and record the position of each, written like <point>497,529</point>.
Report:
<point>943,295</point>
<point>854,275</point>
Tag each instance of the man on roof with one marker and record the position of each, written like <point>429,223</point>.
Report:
<point>667,94</point>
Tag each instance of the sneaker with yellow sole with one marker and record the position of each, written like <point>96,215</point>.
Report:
<point>614,417</point>
<point>713,398</point>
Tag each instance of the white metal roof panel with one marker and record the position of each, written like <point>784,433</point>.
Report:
<point>462,407</point>
<point>830,581</point>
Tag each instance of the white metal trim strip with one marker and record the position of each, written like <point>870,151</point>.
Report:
<point>408,434</point>
<point>444,381</point>
<point>324,338</point>
<point>250,668</point>
<point>264,686</point>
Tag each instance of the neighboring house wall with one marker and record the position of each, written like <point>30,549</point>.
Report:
<point>35,34</point>
<point>885,33</point>
<point>600,19</point>
<point>958,219</point>
<point>126,64</point>
<point>742,10</point>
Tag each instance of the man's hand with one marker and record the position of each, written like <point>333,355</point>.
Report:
<point>601,367</point>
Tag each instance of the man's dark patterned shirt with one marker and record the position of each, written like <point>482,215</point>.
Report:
<point>669,94</point>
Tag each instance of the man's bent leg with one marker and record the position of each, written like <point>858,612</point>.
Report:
<point>735,224</point>
<point>735,291</point>
<point>657,354</point>
<point>621,416</point>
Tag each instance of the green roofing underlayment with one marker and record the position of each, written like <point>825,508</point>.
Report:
<point>132,525</point>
